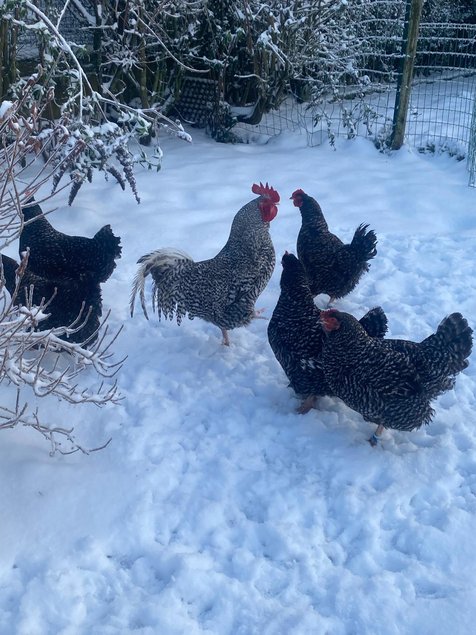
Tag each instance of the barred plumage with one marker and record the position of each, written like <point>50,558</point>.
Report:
<point>393,382</point>
<point>296,336</point>
<point>332,267</point>
<point>222,290</point>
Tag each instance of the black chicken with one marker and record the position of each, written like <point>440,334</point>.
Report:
<point>332,267</point>
<point>54,255</point>
<point>222,290</point>
<point>392,382</point>
<point>296,335</point>
<point>73,302</point>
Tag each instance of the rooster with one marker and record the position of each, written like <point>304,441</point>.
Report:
<point>222,290</point>
<point>332,267</point>
<point>70,303</point>
<point>296,336</point>
<point>54,255</point>
<point>392,382</point>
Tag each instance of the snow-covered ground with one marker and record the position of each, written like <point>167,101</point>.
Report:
<point>216,508</point>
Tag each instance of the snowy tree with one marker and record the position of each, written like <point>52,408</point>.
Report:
<point>109,129</point>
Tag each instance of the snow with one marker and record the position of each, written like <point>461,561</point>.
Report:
<point>216,508</point>
<point>5,108</point>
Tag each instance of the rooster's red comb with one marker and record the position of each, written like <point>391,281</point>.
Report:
<point>297,193</point>
<point>266,190</point>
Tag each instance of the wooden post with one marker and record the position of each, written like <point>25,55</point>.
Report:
<point>3,50</point>
<point>402,98</point>
<point>472,149</point>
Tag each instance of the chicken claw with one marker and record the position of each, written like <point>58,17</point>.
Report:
<point>257,314</point>
<point>308,404</point>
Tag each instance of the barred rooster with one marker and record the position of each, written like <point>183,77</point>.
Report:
<point>392,382</point>
<point>332,267</point>
<point>296,336</point>
<point>76,303</point>
<point>54,255</point>
<point>222,290</point>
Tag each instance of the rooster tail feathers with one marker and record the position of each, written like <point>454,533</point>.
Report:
<point>110,243</point>
<point>138,286</point>
<point>375,322</point>
<point>155,262</point>
<point>456,336</point>
<point>364,242</point>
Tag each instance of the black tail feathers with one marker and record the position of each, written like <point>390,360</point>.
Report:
<point>456,335</point>
<point>365,242</point>
<point>111,243</point>
<point>375,322</point>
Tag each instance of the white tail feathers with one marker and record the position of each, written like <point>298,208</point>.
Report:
<point>159,259</point>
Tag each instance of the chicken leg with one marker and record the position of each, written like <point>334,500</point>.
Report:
<point>226,339</point>
<point>308,404</point>
<point>375,438</point>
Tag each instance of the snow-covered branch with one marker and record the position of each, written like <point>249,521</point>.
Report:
<point>43,363</point>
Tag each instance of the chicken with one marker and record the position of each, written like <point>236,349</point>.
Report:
<point>54,255</point>
<point>392,382</point>
<point>222,290</point>
<point>296,336</point>
<point>332,267</point>
<point>73,303</point>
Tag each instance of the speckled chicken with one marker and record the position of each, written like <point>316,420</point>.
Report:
<point>222,290</point>
<point>74,302</point>
<point>296,336</point>
<point>392,382</point>
<point>54,255</point>
<point>333,268</point>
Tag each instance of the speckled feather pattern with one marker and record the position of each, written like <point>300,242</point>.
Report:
<point>295,333</point>
<point>333,268</point>
<point>222,290</point>
<point>393,382</point>
<point>54,255</point>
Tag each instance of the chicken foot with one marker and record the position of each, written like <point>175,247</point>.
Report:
<point>308,404</point>
<point>377,435</point>
<point>257,314</point>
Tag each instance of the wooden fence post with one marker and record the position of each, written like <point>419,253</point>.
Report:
<point>402,98</point>
<point>472,149</point>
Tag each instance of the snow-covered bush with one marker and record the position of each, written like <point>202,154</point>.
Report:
<point>109,128</point>
<point>135,57</point>
<point>40,363</point>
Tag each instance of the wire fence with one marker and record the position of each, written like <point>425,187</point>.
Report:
<point>441,114</point>
<point>443,90</point>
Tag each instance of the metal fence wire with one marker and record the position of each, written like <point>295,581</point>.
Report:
<point>442,100</point>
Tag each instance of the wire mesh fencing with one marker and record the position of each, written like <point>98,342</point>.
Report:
<point>443,93</point>
<point>360,101</point>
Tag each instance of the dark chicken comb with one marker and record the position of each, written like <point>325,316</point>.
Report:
<point>266,190</point>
